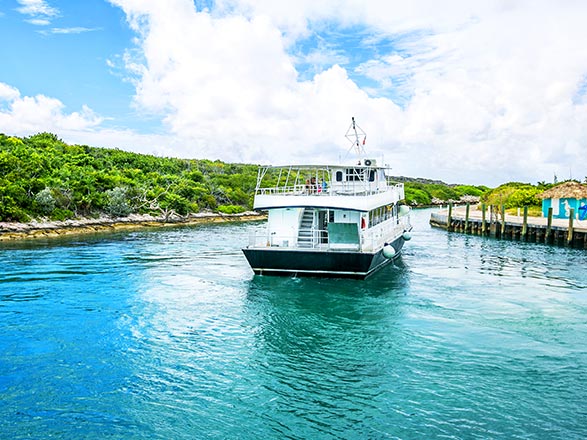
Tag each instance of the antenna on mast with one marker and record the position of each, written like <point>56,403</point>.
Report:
<point>353,134</point>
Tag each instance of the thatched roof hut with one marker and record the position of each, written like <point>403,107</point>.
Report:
<point>566,190</point>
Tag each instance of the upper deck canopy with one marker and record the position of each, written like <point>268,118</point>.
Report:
<point>360,187</point>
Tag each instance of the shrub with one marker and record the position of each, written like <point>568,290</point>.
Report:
<point>60,214</point>
<point>44,201</point>
<point>513,195</point>
<point>416,196</point>
<point>231,209</point>
<point>118,204</point>
<point>11,213</point>
<point>179,204</point>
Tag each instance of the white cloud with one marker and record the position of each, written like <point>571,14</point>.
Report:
<point>386,16</point>
<point>322,57</point>
<point>8,93</point>
<point>496,95</point>
<point>125,139</point>
<point>69,30</point>
<point>490,91</point>
<point>37,8</point>
<point>229,86</point>
<point>28,115</point>
<point>24,115</point>
<point>39,21</point>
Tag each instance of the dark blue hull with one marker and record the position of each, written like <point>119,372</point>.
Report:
<point>318,263</point>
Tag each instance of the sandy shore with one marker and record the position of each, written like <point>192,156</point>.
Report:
<point>41,229</point>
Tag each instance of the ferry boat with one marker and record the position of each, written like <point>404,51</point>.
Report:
<point>329,220</point>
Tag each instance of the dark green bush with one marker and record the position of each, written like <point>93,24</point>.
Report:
<point>231,209</point>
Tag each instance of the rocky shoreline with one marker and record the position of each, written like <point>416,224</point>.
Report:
<point>47,229</point>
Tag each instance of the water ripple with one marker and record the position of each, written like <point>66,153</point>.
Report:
<point>167,334</point>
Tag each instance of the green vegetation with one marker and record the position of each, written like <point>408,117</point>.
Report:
<point>41,176</point>
<point>515,195</point>
<point>421,193</point>
<point>533,211</point>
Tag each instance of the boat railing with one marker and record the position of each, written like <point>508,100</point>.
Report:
<point>375,237</point>
<point>370,239</point>
<point>338,189</point>
<point>282,190</point>
<point>317,239</point>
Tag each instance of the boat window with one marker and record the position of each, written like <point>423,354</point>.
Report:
<point>339,176</point>
<point>382,214</point>
<point>372,176</point>
<point>354,174</point>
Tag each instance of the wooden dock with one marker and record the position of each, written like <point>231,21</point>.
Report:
<point>486,222</point>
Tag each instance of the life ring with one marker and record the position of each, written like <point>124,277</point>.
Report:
<point>367,162</point>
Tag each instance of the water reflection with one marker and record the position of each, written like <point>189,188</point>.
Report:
<point>169,334</point>
<point>334,340</point>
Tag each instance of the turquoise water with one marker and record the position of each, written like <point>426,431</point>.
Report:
<point>169,335</point>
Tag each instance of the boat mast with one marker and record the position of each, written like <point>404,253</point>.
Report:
<point>353,134</point>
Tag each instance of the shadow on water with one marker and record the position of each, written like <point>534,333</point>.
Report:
<point>332,295</point>
<point>390,278</point>
<point>338,341</point>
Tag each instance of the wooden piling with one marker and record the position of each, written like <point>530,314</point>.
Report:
<point>502,221</point>
<point>483,225</point>
<point>449,218</point>
<point>548,233</point>
<point>492,221</point>
<point>467,219</point>
<point>525,224</point>
<point>530,229</point>
<point>570,232</point>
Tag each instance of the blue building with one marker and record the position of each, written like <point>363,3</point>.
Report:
<point>564,197</point>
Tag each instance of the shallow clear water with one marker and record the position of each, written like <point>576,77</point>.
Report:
<point>168,334</point>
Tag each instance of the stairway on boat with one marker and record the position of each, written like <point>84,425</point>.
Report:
<point>306,233</point>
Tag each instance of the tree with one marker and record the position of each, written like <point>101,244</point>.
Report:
<point>45,201</point>
<point>118,204</point>
<point>42,175</point>
<point>513,195</point>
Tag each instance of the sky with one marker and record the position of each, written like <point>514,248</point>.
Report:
<point>464,91</point>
